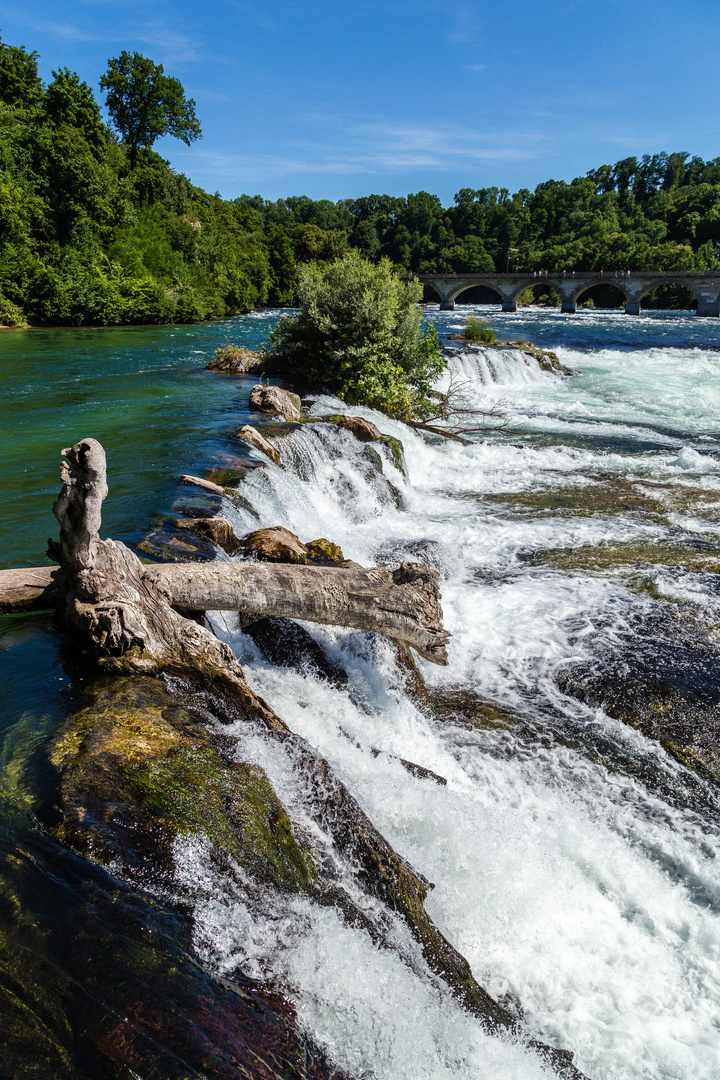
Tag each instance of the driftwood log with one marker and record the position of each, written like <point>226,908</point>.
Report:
<point>103,589</point>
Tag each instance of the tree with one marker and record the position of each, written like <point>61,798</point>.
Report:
<point>359,333</point>
<point>145,104</point>
<point>70,101</point>
<point>19,80</point>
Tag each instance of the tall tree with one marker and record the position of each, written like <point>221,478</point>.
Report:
<point>19,80</point>
<point>145,104</point>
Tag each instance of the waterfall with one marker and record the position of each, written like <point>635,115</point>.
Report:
<point>572,883</point>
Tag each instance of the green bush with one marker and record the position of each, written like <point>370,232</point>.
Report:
<point>10,314</point>
<point>479,330</point>
<point>359,334</point>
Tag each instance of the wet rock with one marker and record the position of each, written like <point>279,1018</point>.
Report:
<point>420,771</point>
<point>100,982</point>
<point>276,400</point>
<point>289,645</point>
<point>137,770</point>
<point>216,529</point>
<point>280,545</point>
<point>174,543</point>
<point>661,674</point>
<point>366,431</point>
<point>253,437</point>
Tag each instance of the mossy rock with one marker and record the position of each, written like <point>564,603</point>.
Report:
<point>137,770</point>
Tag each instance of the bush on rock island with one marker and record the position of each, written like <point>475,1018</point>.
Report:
<point>359,334</point>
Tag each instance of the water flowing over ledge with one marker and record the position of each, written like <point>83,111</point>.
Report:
<point>574,858</point>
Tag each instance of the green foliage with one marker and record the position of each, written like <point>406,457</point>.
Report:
<point>479,330</point>
<point>359,333</point>
<point>145,104</point>
<point>71,102</point>
<point>19,80</point>
<point>96,232</point>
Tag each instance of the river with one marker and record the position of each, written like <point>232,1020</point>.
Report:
<point>575,861</point>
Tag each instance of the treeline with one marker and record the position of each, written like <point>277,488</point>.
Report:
<point>95,232</point>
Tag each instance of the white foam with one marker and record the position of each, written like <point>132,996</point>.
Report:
<point>559,876</point>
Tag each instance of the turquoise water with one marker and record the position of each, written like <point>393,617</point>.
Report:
<point>142,392</point>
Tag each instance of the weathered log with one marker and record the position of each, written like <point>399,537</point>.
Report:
<point>28,589</point>
<point>400,603</point>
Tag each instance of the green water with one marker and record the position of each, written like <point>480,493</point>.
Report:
<point>143,392</point>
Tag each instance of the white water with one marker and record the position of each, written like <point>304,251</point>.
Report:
<point>559,875</point>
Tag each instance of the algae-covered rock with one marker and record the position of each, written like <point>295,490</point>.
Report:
<point>137,770</point>
<point>278,544</point>
<point>99,981</point>
<point>366,431</point>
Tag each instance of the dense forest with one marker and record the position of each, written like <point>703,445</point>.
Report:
<point>96,231</point>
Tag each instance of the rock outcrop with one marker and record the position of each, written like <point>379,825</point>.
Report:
<point>274,399</point>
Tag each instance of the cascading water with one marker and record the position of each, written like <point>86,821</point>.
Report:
<point>577,882</point>
<point>574,859</point>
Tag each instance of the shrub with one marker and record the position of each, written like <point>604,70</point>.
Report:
<point>359,334</point>
<point>10,314</point>
<point>479,330</point>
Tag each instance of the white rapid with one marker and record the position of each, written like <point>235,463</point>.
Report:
<point>589,896</point>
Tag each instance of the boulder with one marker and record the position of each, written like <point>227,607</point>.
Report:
<point>280,545</point>
<point>236,361</point>
<point>253,437</point>
<point>275,400</point>
<point>364,430</point>
<point>367,432</point>
<point>217,529</point>
<point>287,644</point>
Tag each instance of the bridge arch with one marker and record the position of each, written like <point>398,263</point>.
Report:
<point>604,279</point>
<point>522,286</point>
<point>682,280</point>
<point>462,298</point>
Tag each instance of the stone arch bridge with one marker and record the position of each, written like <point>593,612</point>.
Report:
<point>634,285</point>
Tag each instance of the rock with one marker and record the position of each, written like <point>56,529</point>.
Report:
<point>276,545</point>
<point>250,435</point>
<point>280,545</point>
<point>217,529</point>
<point>661,675</point>
<point>137,770</point>
<point>366,431</point>
<point>172,543</point>
<point>235,360</point>
<point>275,399</point>
<point>289,645</point>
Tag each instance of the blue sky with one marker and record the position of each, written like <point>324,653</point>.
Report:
<point>336,100</point>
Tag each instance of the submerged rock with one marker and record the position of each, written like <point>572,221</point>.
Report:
<point>661,674</point>
<point>276,400</point>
